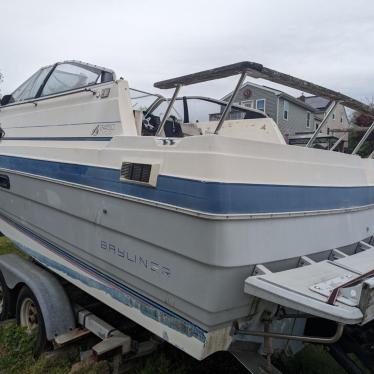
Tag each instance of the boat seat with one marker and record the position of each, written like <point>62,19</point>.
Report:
<point>173,128</point>
<point>150,125</point>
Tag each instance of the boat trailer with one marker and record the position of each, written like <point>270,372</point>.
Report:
<point>66,321</point>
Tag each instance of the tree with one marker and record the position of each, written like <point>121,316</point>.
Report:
<point>364,121</point>
<point>1,80</point>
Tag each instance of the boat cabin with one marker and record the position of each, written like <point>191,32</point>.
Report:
<point>72,100</point>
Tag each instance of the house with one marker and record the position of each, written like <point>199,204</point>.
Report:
<point>337,124</point>
<point>296,117</point>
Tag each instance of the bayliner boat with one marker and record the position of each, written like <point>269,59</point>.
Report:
<point>202,226</point>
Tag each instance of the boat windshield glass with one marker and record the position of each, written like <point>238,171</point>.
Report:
<point>142,100</point>
<point>194,109</point>
<point>29,89</point>
<point>191,115</point>
<point>68,77</point>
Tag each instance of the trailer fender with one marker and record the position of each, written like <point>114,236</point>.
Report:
<point>54,304</point>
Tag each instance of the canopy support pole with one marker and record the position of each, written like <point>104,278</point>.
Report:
<point>362,141</point>
<point>231,101</point>
<point>168,110</point>
<point>327,116</point>
<point>337,142</point>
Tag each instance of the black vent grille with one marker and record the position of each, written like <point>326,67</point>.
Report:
<point>136,172</point>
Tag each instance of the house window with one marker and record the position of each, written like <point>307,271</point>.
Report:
<point>341,119</point>
<point>286,109</point>
<point>333,116</point>
<point>235,115</point>
<point>248,103</point>
<point>260,104</point>
<point>308,119</point>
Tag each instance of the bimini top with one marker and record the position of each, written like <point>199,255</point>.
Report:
<point>256,70</point>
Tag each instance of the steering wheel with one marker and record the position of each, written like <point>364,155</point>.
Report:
<point>150,125</point>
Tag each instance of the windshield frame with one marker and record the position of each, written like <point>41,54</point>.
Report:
<point>162,99</point>
<point>159,98</point>
<point>38,96</point>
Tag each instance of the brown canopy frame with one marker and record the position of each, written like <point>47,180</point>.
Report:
<point>256,70</point>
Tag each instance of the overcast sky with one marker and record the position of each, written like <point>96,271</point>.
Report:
<point>329,42</point>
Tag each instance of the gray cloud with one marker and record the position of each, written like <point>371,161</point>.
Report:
<point>327,42</point>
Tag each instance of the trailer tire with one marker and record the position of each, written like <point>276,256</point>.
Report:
<point>6,302</point>
<point>29,315</point>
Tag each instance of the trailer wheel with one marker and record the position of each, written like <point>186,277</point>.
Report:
<point>29,315</point>
<point>5,300</point>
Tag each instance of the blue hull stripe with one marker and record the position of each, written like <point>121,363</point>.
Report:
<point>206,197</point>
<point>115,288</point>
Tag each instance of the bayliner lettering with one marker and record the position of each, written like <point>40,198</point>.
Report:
<point>132,258</point>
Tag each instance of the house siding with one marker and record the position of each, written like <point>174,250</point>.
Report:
<point>297,119</point>
<point>258,93</point>
<point>340,122</point>
<point>298,111</point>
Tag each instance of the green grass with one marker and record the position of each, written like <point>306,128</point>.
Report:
<point>16,356</point>
<point>6,246</point>
<point>313,359</point>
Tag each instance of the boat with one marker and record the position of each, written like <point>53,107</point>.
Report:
<point>195,226</point>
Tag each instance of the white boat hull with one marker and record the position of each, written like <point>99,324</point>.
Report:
<point>192,266</point>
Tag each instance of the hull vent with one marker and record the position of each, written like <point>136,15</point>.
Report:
<point>139,173</point>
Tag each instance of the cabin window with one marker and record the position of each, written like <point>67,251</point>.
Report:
<point>68,76</point>
<point>260,104</point>
<point>308,119</point>
<point>286,109</point>
<point>30,88</point>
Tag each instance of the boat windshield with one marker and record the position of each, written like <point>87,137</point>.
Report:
<point>195,109</point>
<point>189,115</point>
<point>142,100</point>
<point>60,78</point>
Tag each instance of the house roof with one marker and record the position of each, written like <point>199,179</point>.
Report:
<point>317,102</point>
<point>277,93</point>
<point>296,101</point>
